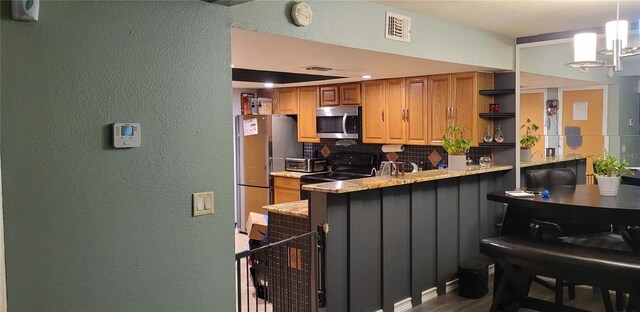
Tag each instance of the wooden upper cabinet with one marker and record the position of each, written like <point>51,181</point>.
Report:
<point>373,96</point>
<point>439,107</point>
<point>266,93</point>
<point>308,100</point>
<point>286,102</point>
<point>350,94</point>
<point>417,113</point>
<point>329,96</point>
<point>467,103</point>
<point>463,100</point>
<point>395,125</point>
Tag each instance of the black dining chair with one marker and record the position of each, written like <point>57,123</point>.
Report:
<point>540,179</point>
<point>584,234</point>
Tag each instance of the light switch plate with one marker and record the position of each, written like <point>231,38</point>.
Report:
<point>202,203</point>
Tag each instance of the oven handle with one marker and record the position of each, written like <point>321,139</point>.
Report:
<point>344,123</point>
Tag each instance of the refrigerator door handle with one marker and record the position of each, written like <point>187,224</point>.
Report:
<point>344,123</point>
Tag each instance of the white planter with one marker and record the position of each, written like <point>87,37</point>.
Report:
<point>608,186</point>
<point>525,155</point>
<point>457,162</point>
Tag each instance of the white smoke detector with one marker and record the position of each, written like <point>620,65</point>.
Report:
<point>301,14</point>
<point>397,27</point>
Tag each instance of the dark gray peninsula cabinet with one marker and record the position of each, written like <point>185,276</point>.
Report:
<point>397,241</point>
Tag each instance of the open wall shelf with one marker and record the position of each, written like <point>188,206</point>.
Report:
<point>497,92</point>
<point>497,115</point>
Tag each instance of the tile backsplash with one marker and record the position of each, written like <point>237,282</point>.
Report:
<point>412,153</point>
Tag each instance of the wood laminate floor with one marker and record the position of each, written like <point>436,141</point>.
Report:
<point>585,299</point>
<point>451,302</point>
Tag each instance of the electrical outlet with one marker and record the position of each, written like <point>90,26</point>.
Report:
<point>630,122</point>
<point>202,203</point>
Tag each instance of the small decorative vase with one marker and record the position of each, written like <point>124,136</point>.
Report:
<point>488,138</point>
<point>498,136</point>
<point>457,162</point>
<point>608,186</point>
<point>525,155</point>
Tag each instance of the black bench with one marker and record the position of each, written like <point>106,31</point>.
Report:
<point>522,257</point>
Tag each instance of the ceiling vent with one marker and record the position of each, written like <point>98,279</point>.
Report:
<point>318,68</point>
<point>398,27</point>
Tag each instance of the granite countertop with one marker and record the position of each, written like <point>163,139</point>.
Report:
<point>296,208</point>
<point>291,174</point>
<point>387,181</point>
<point>544,161</point>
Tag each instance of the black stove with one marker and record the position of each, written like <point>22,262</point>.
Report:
<point>345,166</point>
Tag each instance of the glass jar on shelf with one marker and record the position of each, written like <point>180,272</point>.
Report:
<point>487,138</point>
<point>498,136</point>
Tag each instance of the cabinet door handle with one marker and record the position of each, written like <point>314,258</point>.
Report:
<point>383,115</point>
<point>406,114</point>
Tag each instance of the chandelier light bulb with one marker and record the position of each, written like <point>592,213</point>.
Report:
<point>622,33</point>
<point>584,47</point>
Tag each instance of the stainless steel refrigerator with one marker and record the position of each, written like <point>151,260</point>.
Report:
<point>263,142</point>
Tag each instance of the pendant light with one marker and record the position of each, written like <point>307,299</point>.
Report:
<point>617,33</point>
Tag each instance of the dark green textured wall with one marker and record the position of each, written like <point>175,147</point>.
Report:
<point>91,228</point>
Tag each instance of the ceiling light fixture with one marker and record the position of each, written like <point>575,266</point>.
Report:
<point>366,76</point>
<point>268,85</point>
<point>584,47</point>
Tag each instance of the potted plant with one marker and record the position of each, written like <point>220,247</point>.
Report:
<point>457,147</point>
<point>608,171</point>
<point>528,140</point>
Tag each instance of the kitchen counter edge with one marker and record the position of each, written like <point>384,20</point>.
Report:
<point>296,208</point>
<point>292,174</point>
<point>388,181</point>
<point>526,164</point>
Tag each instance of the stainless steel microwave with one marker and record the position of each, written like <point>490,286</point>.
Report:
<point>339,122</point>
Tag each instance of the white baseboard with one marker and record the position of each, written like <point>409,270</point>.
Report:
<point>451,286</point>
<point>429,294</point>
<point>403,305</point>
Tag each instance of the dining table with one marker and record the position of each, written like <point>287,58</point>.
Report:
<point>580,203</point>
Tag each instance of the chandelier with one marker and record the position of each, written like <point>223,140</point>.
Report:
<point>584,47</point>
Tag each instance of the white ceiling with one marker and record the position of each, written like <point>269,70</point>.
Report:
<point>252,50</point>
<point>515,18</point>
<point>521,18</point>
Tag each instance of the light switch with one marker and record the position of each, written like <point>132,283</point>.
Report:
<point>202,203</point>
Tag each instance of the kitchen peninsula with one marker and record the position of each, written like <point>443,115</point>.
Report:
<point>398,240</point>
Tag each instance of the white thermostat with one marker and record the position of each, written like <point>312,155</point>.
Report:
<point>126,135</point>
<point>301,14</point>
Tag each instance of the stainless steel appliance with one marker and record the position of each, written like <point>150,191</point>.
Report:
<point>306,164</point>
<point>263,143</point>
<point>344,166</point>
<point>339,122</point>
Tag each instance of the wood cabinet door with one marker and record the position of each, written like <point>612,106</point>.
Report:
<point>285,190</point>
<point>395,123</point>
<point>373,111</point>
<point>439,107</point>
<point>463,100</point>
<point>416,114</point>
<point>287,102</point>
<point>350,94</point>
<point>308,99</point>
<point>329,96</point>
<point>266,93</point>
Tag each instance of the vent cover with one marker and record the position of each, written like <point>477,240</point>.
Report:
<point>398,27</point>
